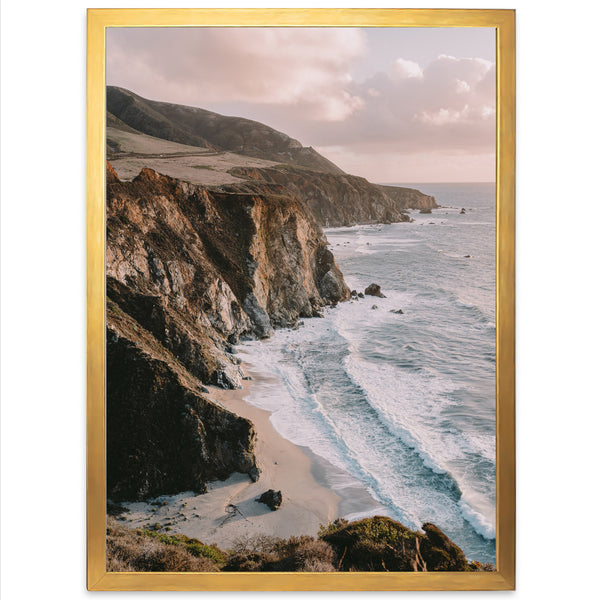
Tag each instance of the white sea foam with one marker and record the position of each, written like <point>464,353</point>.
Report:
<point>410,412</point>
<point>357,516</point>
<point>294,411</point>
<point>342,440</point>
<point>409,405</point>
<point>480,523</point>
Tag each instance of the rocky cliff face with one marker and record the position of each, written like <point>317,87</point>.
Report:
<point>408,197</point>
<point>163,434</point>
<point>189,271</point>
<point>335,200</point>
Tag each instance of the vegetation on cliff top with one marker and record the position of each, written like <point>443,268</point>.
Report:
<point>373,544</point>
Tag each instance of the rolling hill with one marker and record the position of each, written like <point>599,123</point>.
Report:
<point>205,129</point>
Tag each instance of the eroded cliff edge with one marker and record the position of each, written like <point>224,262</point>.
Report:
<point>408,198</point>
<point>335,200</point>
<point>190,271</point>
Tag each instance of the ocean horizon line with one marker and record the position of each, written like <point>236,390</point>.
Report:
<point>397,183</point>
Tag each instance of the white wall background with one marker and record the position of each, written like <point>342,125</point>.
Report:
<point>43,296</point>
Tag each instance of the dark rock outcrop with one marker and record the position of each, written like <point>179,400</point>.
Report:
<point>271,498</point>
<point>163,434</point>
<point>374,290</point>
<point>188,271</point>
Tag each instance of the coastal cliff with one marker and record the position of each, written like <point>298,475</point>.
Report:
<point>163,434</point>
<point>335,200</point>
<point>239,155</point>
<point>190,271</point>
<point>406,198</point>
<point>214,235</point>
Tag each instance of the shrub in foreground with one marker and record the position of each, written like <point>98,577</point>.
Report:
<point>302,553</point>
<point>373,544</point>
<point>136,550</point>
<point>382,544</point>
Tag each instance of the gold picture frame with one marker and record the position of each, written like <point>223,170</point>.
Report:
<point>504,22</point>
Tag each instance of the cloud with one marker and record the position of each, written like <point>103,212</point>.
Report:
<point>462,87</point>
<point>299,80</point>
<point>405,69</point>
<point>449,105</point>
<point>302,68</point>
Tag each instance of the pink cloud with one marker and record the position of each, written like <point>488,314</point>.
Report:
<point>304,68</point>
<point>299,80</point>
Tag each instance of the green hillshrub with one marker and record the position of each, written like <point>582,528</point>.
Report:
<point>382,544</point>
<point>135,550</point>
<point>193,546</point>
<point>302,553</point>
<point>332,527</point>
<point>199,549</point>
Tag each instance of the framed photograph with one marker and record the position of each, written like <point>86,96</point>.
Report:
<point>300,299</point>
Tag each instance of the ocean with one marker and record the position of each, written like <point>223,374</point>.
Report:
<point>402,404</point>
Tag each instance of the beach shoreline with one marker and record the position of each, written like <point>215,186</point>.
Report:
<point>228,512</point>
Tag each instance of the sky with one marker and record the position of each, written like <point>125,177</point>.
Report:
<point>394,105</point>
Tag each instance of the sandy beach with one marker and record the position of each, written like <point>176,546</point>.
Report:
<point>228,512</point>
